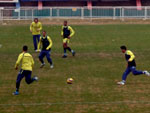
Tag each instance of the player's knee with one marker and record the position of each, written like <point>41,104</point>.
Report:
<point>134,72</point>
<point>28,81</point>
<point>65,45</point>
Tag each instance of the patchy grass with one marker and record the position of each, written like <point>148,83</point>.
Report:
<point>96,68</point>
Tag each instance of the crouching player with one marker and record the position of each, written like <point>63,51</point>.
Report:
<point>67,32</point>
<point>46,43</point>
<point>27,63</point>
<point>131,66</point>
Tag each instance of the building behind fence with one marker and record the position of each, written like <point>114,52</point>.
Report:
<point>75,12</point>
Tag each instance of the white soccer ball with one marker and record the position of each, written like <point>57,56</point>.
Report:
<point>70,80</point>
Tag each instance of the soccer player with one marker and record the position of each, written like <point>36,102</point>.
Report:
<point>67,32</point>
<point>27,63</point>
<point>131,65</point>
<point>35,29</point>
<point>46,43</point>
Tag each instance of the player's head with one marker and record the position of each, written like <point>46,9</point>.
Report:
<point>44,33</point>
<point>36,20</point>
<point>123,49</point>
<point>65,23</point>
<point>25,48</point>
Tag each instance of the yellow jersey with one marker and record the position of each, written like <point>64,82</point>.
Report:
<point>36,28</point>
<point>26,60</point>
<point>130,58</point>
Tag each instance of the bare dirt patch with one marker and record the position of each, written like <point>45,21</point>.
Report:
<point>87,21</point>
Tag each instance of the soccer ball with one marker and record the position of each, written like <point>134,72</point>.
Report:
<point>69,80</point>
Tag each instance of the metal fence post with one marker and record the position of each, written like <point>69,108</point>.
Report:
<point>122,13</point>
<point>1,15</point>
<point>25,16</point>
<point>32,14</point>
<point>58,12</point>
<point>145,17</point>
<point>51,12</point>
<point>91,12</point>
<point>19,14</point>
<point>114,13</point>
<point>82,13</point>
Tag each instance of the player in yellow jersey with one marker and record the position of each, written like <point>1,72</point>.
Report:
<point>131,65</point>
<point>67,32</point>
<point>27,62</point>
<point>35,29</point>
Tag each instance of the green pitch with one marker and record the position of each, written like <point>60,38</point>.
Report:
<point>96,68</point>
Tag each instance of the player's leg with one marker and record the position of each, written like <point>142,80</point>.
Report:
<point>65,48</point>
<point>38,38</point>
<point>137,72</point>
<point>41,56</point>
<point>69,49</point>
<point>19,78</point>
<point>124,76</point>
<point>28,78</point>
<point>49,58</point>
<point>34,42</point>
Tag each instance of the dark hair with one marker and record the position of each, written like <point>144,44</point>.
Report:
<point>44,31</point>
<point>65,21</point>
<point>25,48</point>
<point>123,47</point>
<point>35,18</point>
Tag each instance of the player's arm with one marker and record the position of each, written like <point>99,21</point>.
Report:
<point>31,27</point>
<point>62,33</point>
<point>131,56</point>
<point>50,43</point>
<point>72,31</point>
<point>39,44</point>
<point>18,61</point>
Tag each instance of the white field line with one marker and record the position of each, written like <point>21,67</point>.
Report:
<point>0,45</point>
<point>77,103</point>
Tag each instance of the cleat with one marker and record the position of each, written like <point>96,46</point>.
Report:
<point>51,66</point>
<point>35,78</point>
<point>64,56</point>
<point>42,65</point>
<point>16,93</point>
<point>146,73</point>
<point>121,83</point>
<point>73,53</point>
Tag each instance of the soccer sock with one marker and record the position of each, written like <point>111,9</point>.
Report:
<point>51,63</point>
<point>17,86</point>
<point>69,49</point>
<point>72,51</point>
<point>123,81</point>
<point>65,52</point>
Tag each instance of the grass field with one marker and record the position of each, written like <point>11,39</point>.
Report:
<point>96,68</point>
